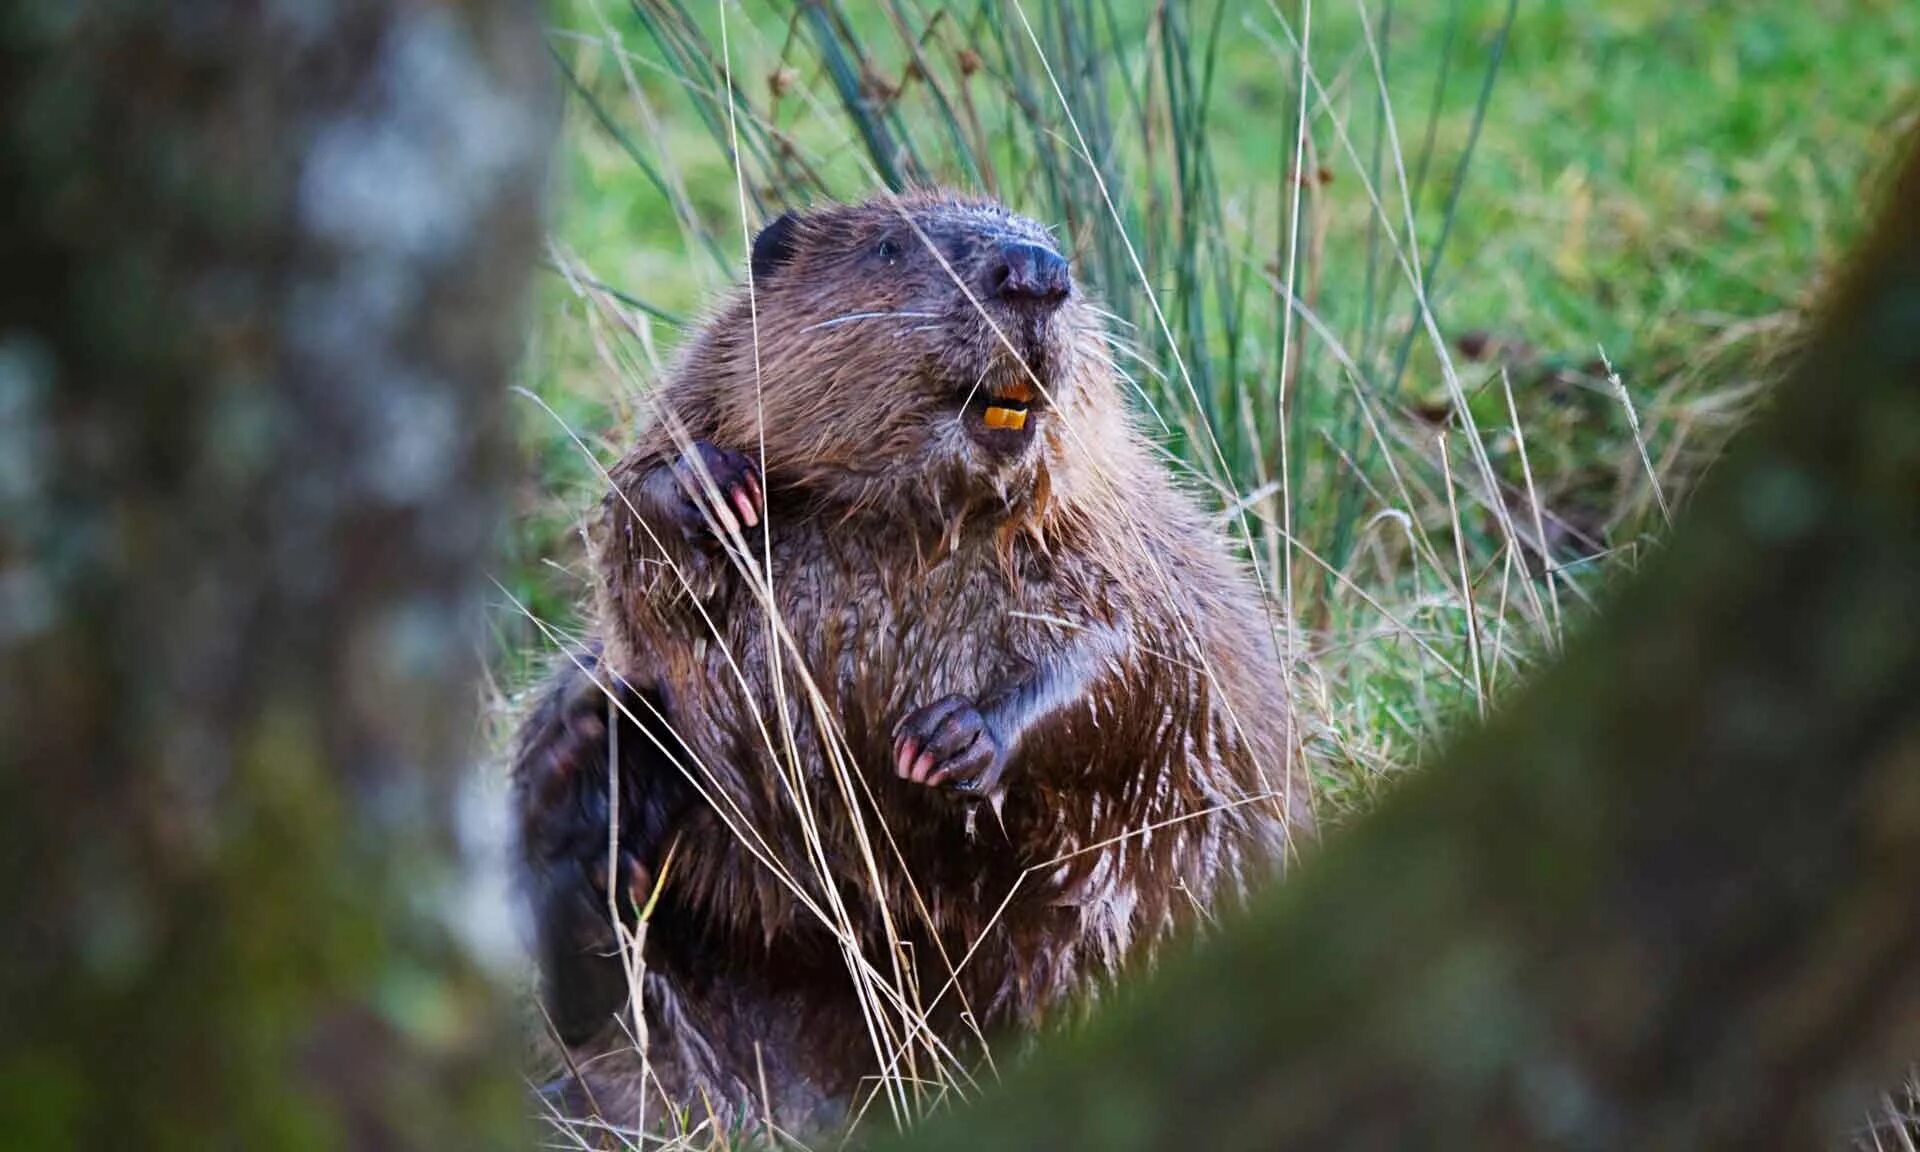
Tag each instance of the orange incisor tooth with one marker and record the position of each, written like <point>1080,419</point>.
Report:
<point>1014,418</point>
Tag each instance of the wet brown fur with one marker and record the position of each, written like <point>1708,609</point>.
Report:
<point>907,564</point>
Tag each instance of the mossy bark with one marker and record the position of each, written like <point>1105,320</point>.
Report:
<point>1669,897</point>
<point>261,280</point>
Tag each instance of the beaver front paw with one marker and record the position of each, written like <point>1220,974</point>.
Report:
<point>949,743</point>
<point>718,492</point>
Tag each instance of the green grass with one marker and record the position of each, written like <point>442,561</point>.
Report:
<point>1664,185</point>
<point>1654,185</point>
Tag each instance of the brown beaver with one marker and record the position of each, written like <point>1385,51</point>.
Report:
<point>960,681</point>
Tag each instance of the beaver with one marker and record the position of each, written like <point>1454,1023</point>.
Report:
<point>936,700</point>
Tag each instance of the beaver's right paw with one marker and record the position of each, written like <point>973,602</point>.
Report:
<point>718,492</point>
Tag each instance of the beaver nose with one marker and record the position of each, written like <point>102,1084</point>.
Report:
<point>1030,274</point>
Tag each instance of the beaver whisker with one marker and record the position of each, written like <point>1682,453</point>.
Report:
<point>1140,358</point>
<point>971,393</point>
<point>852,316</point>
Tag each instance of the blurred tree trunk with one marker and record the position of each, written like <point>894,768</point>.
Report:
<point>261,278</point>
<point>1668,898</point>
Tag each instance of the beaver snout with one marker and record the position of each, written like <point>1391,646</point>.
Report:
<point>1029,276</point>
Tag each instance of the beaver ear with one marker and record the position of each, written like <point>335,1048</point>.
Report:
<point>775,244</point>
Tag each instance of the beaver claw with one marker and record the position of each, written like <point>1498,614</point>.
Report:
<point>949,743</point>
<point>703,472</point>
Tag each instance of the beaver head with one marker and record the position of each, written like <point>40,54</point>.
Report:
<point>926,346</point>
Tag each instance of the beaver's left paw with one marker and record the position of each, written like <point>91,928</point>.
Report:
<point>949,743</point>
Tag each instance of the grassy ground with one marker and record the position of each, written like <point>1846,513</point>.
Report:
<point>1664,183</point>
<point>1617,211</point>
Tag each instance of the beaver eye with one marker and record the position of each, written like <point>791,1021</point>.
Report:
<point>888,249</point>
